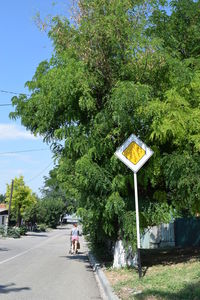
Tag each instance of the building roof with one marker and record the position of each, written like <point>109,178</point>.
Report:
<point>3,205</point>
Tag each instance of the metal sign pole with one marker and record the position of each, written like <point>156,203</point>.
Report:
<point>137,225</point>
<point>134,153</point>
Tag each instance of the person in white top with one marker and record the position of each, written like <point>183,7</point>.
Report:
<point>74,238</point>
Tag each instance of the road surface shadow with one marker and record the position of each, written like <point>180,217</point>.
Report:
<point>79,256</point>
<point>4,249</point>
<point>36,235</point>
<point>5,289</point>
<point>62,228</point>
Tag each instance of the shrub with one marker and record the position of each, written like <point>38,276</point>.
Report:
<point>13,232</point>
<point>22,230</point>
<point>41,227</point>
<point>2,230</point>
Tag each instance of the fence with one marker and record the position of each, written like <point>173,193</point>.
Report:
<point>183,232</point>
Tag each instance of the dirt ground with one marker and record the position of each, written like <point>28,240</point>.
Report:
<point>152,257</point>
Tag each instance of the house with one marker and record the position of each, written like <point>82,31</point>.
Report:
<point>3,215</point>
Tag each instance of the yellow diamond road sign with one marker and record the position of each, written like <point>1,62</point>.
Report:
<point>134,153</point>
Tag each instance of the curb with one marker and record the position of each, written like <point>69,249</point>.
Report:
<point>105,285</point>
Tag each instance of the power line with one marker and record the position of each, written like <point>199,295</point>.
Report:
<point>22,151</point>
<point>40,172</point>
<point>6,104</point>
<point>14,93</point>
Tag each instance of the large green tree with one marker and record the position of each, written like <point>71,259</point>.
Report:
<point>121,67</point>
<point>174,113</point>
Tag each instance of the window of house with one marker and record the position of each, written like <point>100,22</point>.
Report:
<point>3,220</point>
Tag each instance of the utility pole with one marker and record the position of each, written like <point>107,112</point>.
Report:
<point>11,193</point>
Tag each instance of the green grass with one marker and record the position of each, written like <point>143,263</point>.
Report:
<point>179,281</point>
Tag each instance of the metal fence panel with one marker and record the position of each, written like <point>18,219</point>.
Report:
<point>187,232</point>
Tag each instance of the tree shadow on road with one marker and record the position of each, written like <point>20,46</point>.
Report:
<point>62,228</point>
<point>5,289</point>
<point>80,256</point>
<point>36,235</point>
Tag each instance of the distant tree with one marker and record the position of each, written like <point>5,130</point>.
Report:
<point>51,185</point>
<point>50,211</point>
<point>22,199</point>
<point>31,213</point>
<point>2,198</point>
<point>55,188</point>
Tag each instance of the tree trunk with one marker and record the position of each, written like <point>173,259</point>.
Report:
<point>123,257</point>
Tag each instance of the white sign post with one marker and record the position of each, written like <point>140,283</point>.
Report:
<point>134,153</point>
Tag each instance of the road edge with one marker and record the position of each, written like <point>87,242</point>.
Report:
<point>102,279</point>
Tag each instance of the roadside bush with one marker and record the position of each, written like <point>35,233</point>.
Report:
<point>41,228</point>
<point>2,231</point>
<point>22,230</point>
<point>13,232</point>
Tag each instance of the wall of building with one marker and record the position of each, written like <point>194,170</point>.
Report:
<point>3,220</point>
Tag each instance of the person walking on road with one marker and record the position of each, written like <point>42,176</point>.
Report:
<point>74,239</point>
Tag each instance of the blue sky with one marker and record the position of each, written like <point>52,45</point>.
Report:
<point>23,47</point>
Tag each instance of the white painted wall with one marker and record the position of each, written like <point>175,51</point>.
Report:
<point>5,220</point>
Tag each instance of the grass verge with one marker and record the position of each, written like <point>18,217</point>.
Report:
<point>171,280</point>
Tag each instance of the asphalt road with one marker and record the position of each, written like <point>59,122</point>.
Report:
<point>39,267</point>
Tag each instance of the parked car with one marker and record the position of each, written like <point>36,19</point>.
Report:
<point>70,219</point>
